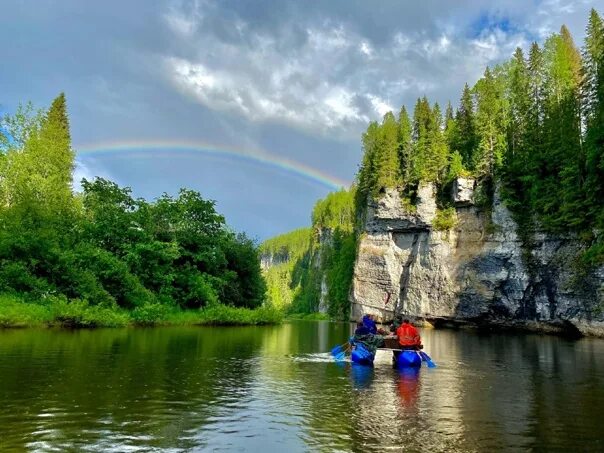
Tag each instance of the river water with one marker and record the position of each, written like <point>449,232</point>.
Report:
<point>276,389</point>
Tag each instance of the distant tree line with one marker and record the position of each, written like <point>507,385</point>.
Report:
<point>102,245</point>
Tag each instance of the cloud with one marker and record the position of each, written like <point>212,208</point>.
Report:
<point>88,169</point>
<point>326,76</point>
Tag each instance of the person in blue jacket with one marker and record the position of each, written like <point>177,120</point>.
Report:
<point>369,323</point>
<point>366,334</point>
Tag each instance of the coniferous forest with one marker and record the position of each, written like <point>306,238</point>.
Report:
<point>533,125</point>
<point>103,257</point>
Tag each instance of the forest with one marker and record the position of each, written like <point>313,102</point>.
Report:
<point>532,126</point>
<point>101,257</point>
<point>535,123</point>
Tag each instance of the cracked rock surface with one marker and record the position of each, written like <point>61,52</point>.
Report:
<point>479,271</point>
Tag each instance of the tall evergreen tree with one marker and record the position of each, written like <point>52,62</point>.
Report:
<point>593,108</point>
<point>465,141</point>
<point>387,163</point>
<point>519,100</point>
<point>367,176</point>
<point>490,125</point>
<point>405,131</point>
<point>534,137</point>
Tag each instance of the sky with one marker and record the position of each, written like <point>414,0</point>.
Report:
<point>258,105</point>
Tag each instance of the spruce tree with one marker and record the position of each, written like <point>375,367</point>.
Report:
<point>490,125</point>
<point>593,108</point>
<point>405,143</point>
<point>465,138</point>
<point>557,190</point>
<point>519,100</point>
<point>387,162</point>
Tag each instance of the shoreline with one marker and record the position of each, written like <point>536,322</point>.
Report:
<point>18,314</point>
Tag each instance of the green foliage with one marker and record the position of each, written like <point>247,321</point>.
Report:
<point>300,261</point>
<point>308,316</point>
<point>338,265</point>
<point>102,253</point>
<point>535,124</point>
<point>293,244</point>
<point>464,138</point>
<point>17,312</point>
<point>78,313</point>
<point>336,210</point>
<point>149,314</point>
<point>490,124</point>
<point>221,315</point>
<point>445,219</point>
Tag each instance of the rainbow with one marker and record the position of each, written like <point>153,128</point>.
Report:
<point>182,148</point>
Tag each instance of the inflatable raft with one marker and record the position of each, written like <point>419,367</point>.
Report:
<point>401,358</point>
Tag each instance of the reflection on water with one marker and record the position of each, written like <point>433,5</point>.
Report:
<point>277,388</point>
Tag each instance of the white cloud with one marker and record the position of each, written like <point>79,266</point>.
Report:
<point>87,170</point>
<point>328,76</point>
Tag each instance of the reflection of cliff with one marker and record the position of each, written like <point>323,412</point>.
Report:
<point>478,271</point>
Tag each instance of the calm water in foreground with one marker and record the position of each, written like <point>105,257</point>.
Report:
<point>275,389</point>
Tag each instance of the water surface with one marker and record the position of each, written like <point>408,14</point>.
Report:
<point>276,389</point>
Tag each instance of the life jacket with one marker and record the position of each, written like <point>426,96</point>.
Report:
<point>408,335</point>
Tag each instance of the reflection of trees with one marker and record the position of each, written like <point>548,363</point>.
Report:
<point>204,387</point>
<point>315,392</point>
<point>119,385</point>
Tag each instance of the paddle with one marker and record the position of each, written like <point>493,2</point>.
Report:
<point>339,352</point>
<point>428,360</point>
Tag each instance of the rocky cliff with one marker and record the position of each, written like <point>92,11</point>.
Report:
<point>480,271</point>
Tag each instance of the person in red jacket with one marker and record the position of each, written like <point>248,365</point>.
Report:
<point>408,336</point>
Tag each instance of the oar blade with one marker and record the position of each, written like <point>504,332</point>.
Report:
<point>337,350</point>
<point>427,359</point>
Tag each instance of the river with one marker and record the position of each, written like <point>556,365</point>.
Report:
<point>276,389</point>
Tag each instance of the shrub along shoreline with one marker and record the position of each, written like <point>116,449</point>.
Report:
<point>17,312</point>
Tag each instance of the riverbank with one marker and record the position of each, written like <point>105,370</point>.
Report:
<point>58,312</point>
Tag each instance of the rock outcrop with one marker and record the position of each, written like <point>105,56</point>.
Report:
<point>478,272</point>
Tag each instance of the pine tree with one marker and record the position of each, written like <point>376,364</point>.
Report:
<point>490,125</point>
<point>519,95</point>
<point>465,140</point>
<point>387,162</point>
<point>367,176</point>
<point>422,117</point>
<point>592,55</point>
<point>405,144</point>
<point>557,193</point>
<point>536,112</point>
<point>438,156</point>
<point>593,108</point>
<point>450,127</point>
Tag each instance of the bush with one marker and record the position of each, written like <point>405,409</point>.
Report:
<point>445,219</point>
<point>149,314</point>
<point>16,312</point>
<point>222,315</point>
<point>77,313</point>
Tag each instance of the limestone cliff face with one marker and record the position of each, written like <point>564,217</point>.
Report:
<point>479,271</point>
